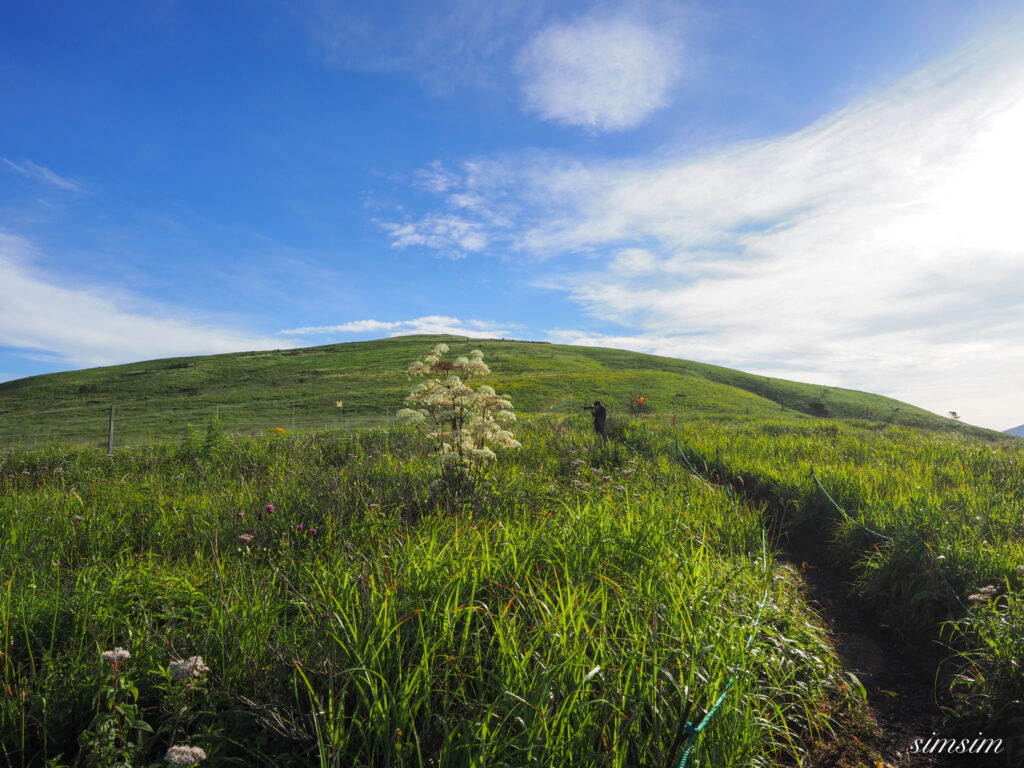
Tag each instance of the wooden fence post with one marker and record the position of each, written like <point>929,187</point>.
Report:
<point>110,433</point>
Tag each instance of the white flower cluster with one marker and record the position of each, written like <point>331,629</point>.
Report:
<point>984,594</point>
<point>116,657</point>
<point>466,422</point>
<point>191,667</point>
<point>182,756</point>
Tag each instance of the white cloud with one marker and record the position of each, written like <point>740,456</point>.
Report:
<point>474,215</point>
<point>356,326</point>
<point>606,74</point>
<point>97,326</point>
<point>444,232</point>
<point>30,170</point>
<point>436,178</point>
<point>881,248</point>
<point>432,324</point>
<point>635,261</point>
<point>443,44</point>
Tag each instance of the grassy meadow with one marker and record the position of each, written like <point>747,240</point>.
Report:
<point>933,530</point>
<point>580,604</point>
<point>297,389</point>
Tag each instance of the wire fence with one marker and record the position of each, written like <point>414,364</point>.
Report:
<point>139,422</point>
<point>135,425</point>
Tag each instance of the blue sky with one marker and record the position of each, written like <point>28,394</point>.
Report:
<point>827,192</point>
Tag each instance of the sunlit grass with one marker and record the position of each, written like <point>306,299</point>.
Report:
<point>932,520</point>
<point>582,607</point>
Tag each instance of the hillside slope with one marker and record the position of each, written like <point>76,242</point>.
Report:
<point>298,389</point>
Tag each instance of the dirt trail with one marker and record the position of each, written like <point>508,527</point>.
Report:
<point>899,687</point>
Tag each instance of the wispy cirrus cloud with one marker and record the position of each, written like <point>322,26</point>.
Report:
<point>477,212</point>
<point>444,44</point>
<point>879,248</point>
<point>429,324</point>
<point>44,318</point>
<point>594,69</point>
<point>30,170</point>
<point>601,73</point>
<point>454,235</point>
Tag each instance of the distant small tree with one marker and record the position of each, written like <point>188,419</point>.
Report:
<point>954,416</point>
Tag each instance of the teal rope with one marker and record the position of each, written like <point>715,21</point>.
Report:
<point>654,434</point>
<point>693,732</point>
<point>920,541</point>
<point>843,511</point>
<point>938,568</point>
<point>634,448</point>
<point>679,450</point>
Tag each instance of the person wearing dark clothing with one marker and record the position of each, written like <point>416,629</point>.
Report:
<point>600,415</point>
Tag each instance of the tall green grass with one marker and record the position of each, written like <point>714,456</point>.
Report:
<point>582,606</point>
<point>930,522</point>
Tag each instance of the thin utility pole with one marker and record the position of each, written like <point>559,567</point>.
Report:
<point>110,433</point>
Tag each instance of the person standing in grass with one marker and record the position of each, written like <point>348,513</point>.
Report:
<point>600,415</point>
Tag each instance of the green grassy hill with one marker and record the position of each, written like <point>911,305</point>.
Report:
<point>298,389</point>
<point>573,602</point>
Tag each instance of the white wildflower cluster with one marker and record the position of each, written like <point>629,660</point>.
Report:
<point>116,657</point>
<point>182,756</point>
<point>465,423</point>
<point>984,594</point>
<point>188,668</point>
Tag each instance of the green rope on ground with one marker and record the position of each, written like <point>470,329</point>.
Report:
<point>655,435</point>
<point>634,448</point>
<point>938,568</point>
<point>679,450</point>
<point>694,732</point>
<point>920,541</point>
<point>843,511</point>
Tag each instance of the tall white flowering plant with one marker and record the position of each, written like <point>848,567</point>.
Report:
<point>463,423</point>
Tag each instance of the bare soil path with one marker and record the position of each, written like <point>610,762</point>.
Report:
<point>900,687</point>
